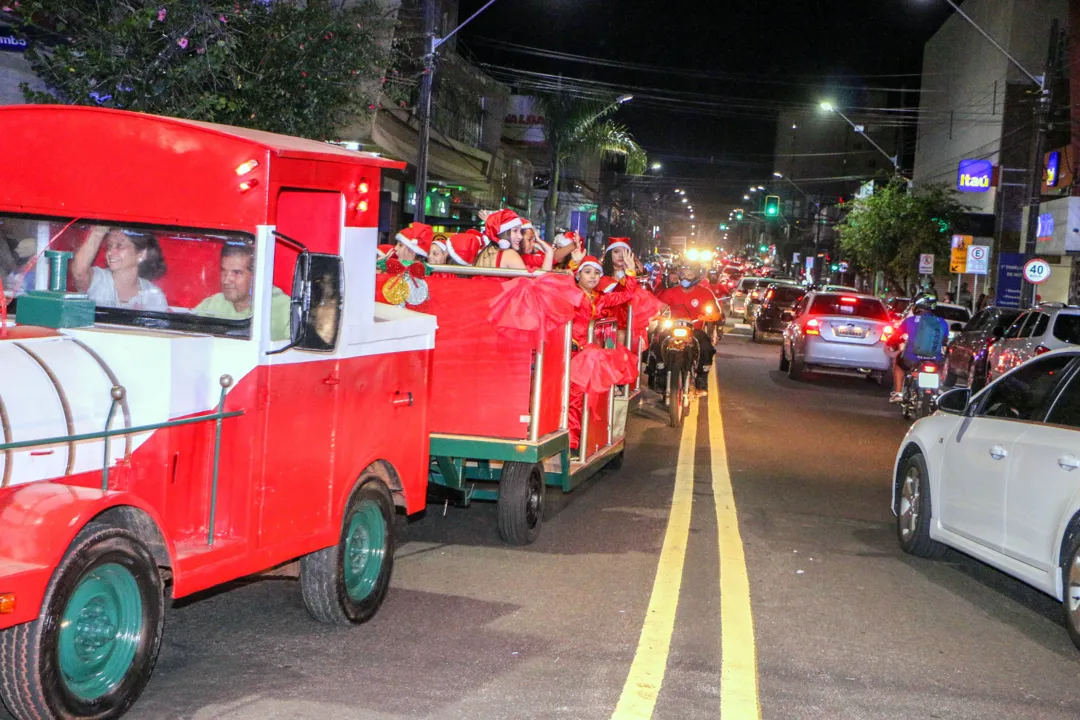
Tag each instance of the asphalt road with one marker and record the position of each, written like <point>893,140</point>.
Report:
<point>845,625</point>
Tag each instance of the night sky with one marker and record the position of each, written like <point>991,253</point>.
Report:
<point>711,124</point>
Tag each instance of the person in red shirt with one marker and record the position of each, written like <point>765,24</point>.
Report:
<point>692,300</point>
<point>595,305</point>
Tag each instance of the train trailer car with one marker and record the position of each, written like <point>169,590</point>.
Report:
<point>197,386</point>
<point>500,405</point>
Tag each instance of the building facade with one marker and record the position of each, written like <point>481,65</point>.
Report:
<point>975,123</point>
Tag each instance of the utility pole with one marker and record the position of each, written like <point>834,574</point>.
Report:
<point>426,82</point>
<point>1038,147</point>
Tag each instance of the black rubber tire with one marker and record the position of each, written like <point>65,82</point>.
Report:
<point>31,682</point>
<point>521,502</point>
<point>918,541</point>
<point>795,369</point>
<point>678,387</point>
<point>1068,560</point>
<point>783,359</point>
<point>977,377</point>
<point>950,376</point>
<point>322,573</point>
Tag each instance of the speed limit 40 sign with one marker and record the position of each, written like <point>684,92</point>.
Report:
<point>1036,271</point>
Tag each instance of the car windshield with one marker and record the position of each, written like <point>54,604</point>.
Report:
<point>855,306</point>
<point>952,314</point>
<point>1067,328</point>
<point>145,276</point>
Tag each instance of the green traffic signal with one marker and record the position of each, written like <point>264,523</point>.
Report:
<point>763,248</point>
<point>772,205</point>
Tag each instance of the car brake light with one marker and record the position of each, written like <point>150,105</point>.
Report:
<point>768,295</point>
<point>1041,349</point>
<point>812,327</point>
<point>929,368</point>
<point>849,300</point>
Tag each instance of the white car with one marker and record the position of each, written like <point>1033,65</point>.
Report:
<point>837,332</point>
<point>1048,326</point>
<point>996,476</point>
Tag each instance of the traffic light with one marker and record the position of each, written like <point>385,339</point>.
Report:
<point>739,213</point>
<point>763,248</point>
<point>723,226</point>
<point>772,205</point>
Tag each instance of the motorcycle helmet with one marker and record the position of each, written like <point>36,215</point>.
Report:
<point>926,303</point>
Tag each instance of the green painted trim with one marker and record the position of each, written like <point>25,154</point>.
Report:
<point>99,631</point>
<point>64,439</point>
<point>46,308</point>
<point>482,448</point>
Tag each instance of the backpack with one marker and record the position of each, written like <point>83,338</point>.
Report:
<point>928,340</point>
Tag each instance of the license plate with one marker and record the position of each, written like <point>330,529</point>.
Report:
<point>929,381</point>
<point>849,331</point>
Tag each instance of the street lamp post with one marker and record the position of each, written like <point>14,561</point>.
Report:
<point>431,46</point>
<point>861,130</point>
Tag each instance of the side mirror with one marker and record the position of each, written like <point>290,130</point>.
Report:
<point>957,327</point>
<point>998,332</point>
<point>316,303</point>
<point>954,401</point>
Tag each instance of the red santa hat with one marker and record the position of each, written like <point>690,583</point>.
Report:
<point>618,242</point>
<point>499,222</point>
<point>417,237</point>
<point>567,238</point>
<point>589,261</point>
<point>464,247</point>
<point>383,250</point>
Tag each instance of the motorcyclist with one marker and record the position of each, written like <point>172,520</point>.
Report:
<point>691,300</point>
<point>926,336</point>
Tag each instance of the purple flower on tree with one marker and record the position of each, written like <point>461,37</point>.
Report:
<point>182,42</point>
<point>161,14</point>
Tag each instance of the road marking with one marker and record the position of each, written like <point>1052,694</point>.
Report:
<point>738,653</point>
<point>642,686</point>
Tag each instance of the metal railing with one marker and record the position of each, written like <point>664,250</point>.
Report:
<point>118,394</point>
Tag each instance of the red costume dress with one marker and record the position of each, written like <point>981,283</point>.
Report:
<point>695,303</point>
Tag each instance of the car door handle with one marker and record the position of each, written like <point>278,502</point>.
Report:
<point>998,453</point>
<point>1068,462</point>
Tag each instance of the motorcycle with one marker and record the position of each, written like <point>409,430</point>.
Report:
<point>673,368</point>
<point>920,391</point>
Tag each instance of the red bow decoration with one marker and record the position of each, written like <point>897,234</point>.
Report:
<point>535,307</point>
<point>626,364</point>
<point>594,371</point>
<point>646,306</point>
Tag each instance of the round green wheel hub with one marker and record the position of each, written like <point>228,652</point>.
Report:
<point>100,631</point>
<point>365,550</point>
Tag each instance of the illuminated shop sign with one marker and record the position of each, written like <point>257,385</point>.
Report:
<point>974,175</point>
<point>1053,168</point>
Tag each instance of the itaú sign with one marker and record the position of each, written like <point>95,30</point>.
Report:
<point>974,175</point>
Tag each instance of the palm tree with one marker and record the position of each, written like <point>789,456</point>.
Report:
<point>578,129</point>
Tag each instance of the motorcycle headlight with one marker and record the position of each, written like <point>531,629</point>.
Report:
<point>667,324</point>
<point>680,332</point>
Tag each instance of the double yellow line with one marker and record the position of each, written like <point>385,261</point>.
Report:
<point>738,653</point>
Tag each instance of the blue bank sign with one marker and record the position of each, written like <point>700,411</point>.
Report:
<point>12,42</point>
<point>974,175</point>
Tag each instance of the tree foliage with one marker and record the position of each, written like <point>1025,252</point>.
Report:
<point>889,230</point>
<point>296,68</point>
<point>578,129</point>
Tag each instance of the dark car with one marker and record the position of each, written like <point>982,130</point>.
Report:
<point>897,306</point>
<point>777,309</point>
<point>966,356</point>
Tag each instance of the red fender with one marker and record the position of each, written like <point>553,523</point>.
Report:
<point>40,520</point>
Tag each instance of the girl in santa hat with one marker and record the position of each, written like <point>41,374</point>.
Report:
<point>535,253</point>
<point>400,277</point>
<point>594,305</point>
<point>502,229</point>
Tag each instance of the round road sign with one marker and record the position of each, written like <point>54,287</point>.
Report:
<point>1036,271</point>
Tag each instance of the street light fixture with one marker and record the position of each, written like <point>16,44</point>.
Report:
<point>861,130</point>
<point>684,200</point>
<point>621,99</point>
<point>656,166</point>
<point>745,197</point>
